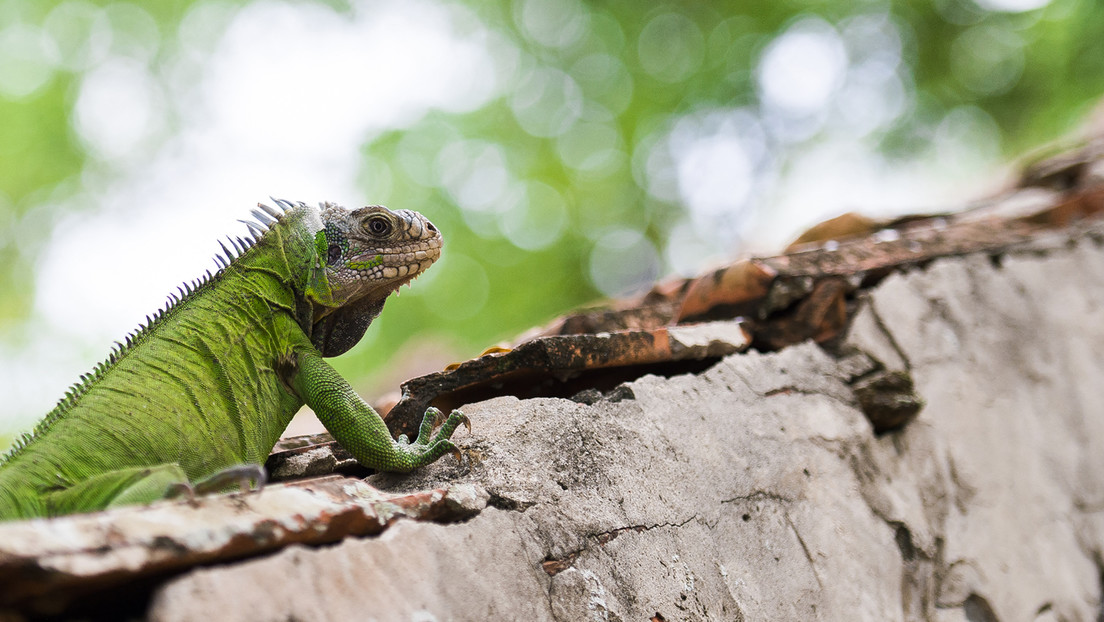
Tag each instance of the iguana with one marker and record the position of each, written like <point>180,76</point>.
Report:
<point>197,397</point>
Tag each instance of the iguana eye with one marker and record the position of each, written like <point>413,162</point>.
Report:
<point>333,253</point>
<point>378,226</point>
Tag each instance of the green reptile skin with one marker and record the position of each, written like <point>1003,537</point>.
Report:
<point>210,384</point>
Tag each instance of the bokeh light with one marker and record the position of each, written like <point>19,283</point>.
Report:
<point>802,69</point>
<point>27,65</point>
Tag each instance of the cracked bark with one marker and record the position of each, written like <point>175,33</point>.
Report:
<point>947,522</point>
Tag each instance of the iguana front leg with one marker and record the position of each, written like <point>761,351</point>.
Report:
<point>358,427</point>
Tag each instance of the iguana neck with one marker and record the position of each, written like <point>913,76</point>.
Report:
<point>287,252</point>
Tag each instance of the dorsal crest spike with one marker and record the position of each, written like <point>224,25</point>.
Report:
<point>227,255</point>
<point>271,212</point>
<point>263,217</point>
<point>254,228</point>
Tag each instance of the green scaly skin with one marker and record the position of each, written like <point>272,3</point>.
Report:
<point>196,399</point>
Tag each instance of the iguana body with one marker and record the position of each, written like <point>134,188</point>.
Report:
<point>210,383</point>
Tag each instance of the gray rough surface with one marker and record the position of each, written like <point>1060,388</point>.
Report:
<point>757,491</point>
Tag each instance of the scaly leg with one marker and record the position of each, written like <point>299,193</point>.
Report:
<point>359,428</point>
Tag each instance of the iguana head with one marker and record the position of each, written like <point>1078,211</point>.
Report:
<point>363,255</point>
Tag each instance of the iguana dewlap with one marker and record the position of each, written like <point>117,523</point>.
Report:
<point>208,385</point>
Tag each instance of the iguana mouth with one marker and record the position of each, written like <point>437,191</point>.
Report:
<point>397,269</point>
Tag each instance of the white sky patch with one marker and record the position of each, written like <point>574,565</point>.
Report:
<point>715,175</point>
<point>303,77</point>
<point>873,94</point>
<point>801,69</point>
<point>281,106</point>
<point>872,97</point>
<point>716,159</point>
<point>1012,6</point>
<point>835,177</point>
<point>842,175</point>
<point>118,109</point>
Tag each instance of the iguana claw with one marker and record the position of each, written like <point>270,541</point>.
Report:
<point>429,446</point>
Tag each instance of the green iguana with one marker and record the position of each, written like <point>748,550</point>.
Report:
<point>196,398</point>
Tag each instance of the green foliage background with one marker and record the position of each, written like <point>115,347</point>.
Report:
<point>705,59</point>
